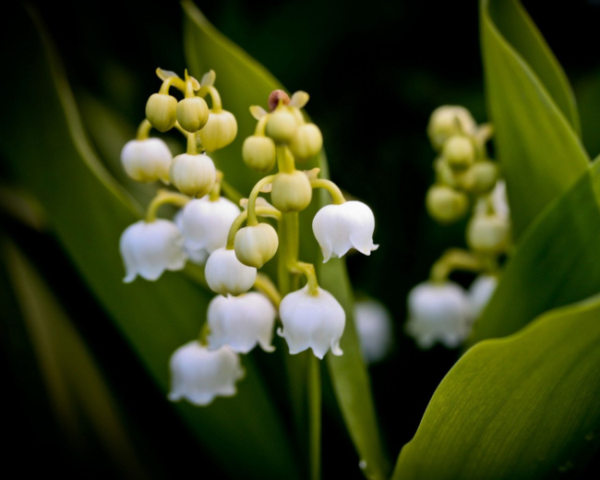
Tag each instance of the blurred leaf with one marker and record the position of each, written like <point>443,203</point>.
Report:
<point>530,104</point>
<point>243,82</point>
<point>555,264</point>
<point>88,218</point>
<point>524,407</point>
<point>74,383</point>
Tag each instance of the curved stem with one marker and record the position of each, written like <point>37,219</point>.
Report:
<point>241,218</point>
<point>192,148</point>
<point>332,188</point>
<point>215,193</point>
<point>176,82</point>
<point>455,259</point>
<point>261,125</point>
<point>214,95</point>
<point>143,131</point>
<point>308,270</point>
<point>285,159</point>
<point>252,198</point>
<point>204,333</point>
<point>164,197</point>
<point>264,284</point>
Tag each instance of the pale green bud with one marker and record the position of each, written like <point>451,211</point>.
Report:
<point>192,114</point>
<point>256,245</point>
<point>445,174</point>
<point>307,141</point>
<point>447,121</point>
<point>291,192</point>
<point>459,152</point>
<point>281,126</point>
<point>485,175</point>
<point>193,175</point>
<point>219,131</point>
<point>161,111</point>
<point>488,234</point>
<point>445,204</point>
<point>259,153</point>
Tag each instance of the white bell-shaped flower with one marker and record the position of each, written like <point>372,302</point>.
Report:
<point>241,322</point>
<point>438,312</point>
<point>195,255</point>
<point>199,375</point>
<point>205,223</point>
<point>225,274</point>
<point>374,327</point>
<point>147,160</point>
<point>149,248</point>
<point>312,321</point>
<point>479,294</point>
<point>338,228</point>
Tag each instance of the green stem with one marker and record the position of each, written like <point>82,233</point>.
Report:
<point>252,198</point>
<point>164,197</point>
<point>215,193</point>
<point>455,259</point>
<point>285,159</point>
<point>241,218</point>
<point>264,284</point>
<point>288,251</point>
<point>308,270</point>
<point>314,410</point>
<point>261,125</point>
<point>143,131</point>
<point>192,148</point>
<point>332,188</point>
<point>216,105</point>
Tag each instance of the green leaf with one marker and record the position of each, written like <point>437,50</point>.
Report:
<point>206,48</point>
<point>555,264</point>
<point>523,407</point>
<point>532,110</point>
<point>88,210</point>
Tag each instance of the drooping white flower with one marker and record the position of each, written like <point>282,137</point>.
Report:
<point>147,160</point>
<point>241,322</point>
<point>338,228</point>
<point>479,294</point>
<point>374,328</point>
<point>438,312</point>
<point>205,223</point>
<point>150,248</point>
<point>500,200</point>
<point>225,274</point>
<point>198,255</point>
<point>199,375</point>
<point>312,321</point>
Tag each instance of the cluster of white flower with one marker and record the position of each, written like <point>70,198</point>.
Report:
<point>466,181</point>
<point>208,230</point>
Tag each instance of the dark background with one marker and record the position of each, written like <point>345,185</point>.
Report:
<point>374,71</point>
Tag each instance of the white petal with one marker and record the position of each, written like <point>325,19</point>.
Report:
<point>312,321</point>
<point>374,328</point>
<point>147,160</point>
<point>225,274</point>
<point>205,223</point>
<point>241,322</point>
<point>480,293</point>
<point>199,375</point>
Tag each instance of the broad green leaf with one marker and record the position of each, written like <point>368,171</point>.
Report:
<point>76,387</point>
<point>206,48</point>
<point>556,263</point>
<point>88,211</point>
<point>531,105</point>
<point>523,407</point>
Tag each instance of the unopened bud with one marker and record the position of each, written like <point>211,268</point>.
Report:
<point>219,131</point>
<point>161,111</point>
<point>276,97</point>
<point>281,126</point>
<point>259,153</point>
<point>256,245</point>
<point>307,141</point>
<point>447,121</point>
<point>445,204</point>
<point>459,152</point>
<point>193,175</point>
<point>445,174</point>
<point>488,234</point>
<point>291,192</point>
<point>192,114</point>
<point>485,175</point>
<point>147,160</point>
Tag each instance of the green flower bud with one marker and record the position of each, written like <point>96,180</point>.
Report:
<point>192,114</point>
<point>281,126</point>
<point>193,175</point>
<point>445,174</point>
<point>256,245</point>
<point>161,111</point>
<point>488,234</point>
<point>447,121</point>
<point>485,175</point>
<point>459,152</point>
<point>291,192</point>
<point>445,204</point>
<point>307,141</point>
<point>219,131</point>
<point>259,153</point>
